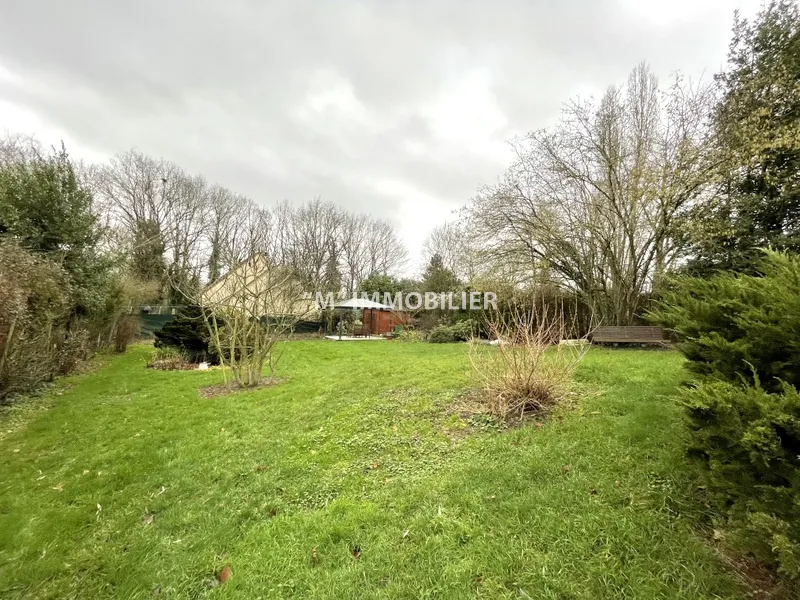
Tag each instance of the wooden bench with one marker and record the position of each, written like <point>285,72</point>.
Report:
<point>629,335</point>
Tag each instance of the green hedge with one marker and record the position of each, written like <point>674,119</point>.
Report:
<point>741,335</point>
<point>739,327</point>
<point>748,442</point>
<point>461,331</point>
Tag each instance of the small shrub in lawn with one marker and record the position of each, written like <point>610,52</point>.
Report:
<point>461,331</point>
<point>169,359</point>
<point>528,372</point>
<point>441,335</point>
<point>410,335</point>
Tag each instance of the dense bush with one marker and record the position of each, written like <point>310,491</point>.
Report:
<point>736,327</point>
<point>442,334</point>
<point>748,440</point>
<point>741,334</point>
<point>61,295</point>
<point>34,307</point>
<point>460,331</point>
<point>188,334</point>
<point>410,335</point>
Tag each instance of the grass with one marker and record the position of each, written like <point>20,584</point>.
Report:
<point>355,449</point>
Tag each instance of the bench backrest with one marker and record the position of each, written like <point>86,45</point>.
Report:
<point>631,333</point>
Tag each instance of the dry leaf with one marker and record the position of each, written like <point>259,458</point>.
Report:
<point>374,464</point>
<point>59,487</point>
<point>224,575</point>
<point>566,469</point>
<point>356,552</point>
<point>147,518</point>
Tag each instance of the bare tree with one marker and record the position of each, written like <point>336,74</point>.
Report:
<point>354,246</point>
<point>454,244</point>
<point>593,203</point>
<point>387,253</point>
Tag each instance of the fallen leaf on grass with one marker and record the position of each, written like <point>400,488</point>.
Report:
<point>224,575</point>
<point>59,487</point>
<point>356,552</point>
<point>147,518</point>
<point>566,469</point>
<point>374,464</point>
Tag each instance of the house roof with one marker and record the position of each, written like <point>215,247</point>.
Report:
<point>361,303</point>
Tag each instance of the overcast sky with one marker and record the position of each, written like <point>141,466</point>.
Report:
<point>399,109</point>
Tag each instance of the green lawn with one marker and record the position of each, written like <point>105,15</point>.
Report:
<point>356,448</point>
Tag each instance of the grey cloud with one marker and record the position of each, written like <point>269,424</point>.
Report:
<point>217,86</point>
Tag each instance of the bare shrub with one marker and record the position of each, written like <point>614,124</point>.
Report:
<point>249,311</point>
<point>125,331</point>
<point>75,349</point>
<point>527,369</point>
